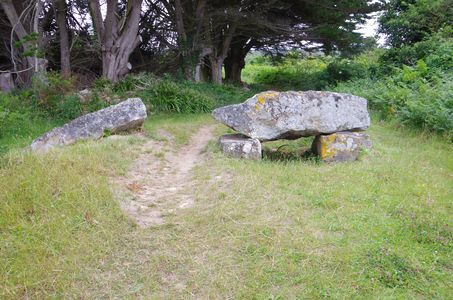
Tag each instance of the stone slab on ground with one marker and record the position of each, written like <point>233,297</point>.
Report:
<point>290,115</point>
<point>240,146</point>
<point>125,116</point>
<point>341,146</point>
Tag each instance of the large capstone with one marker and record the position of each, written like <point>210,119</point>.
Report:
<point>239,146</point>
<point>290,115</point>
<point>341,146</point>
<point>125,116</point>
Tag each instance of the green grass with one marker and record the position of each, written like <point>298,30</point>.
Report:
<point>58,217</point>
<point>159,126</point>
<point>24,132</point>
<point>290,74</point>
<point>273,229</point>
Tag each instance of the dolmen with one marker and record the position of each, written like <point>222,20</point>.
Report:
<point>125,116</point>
<point>336,120</point>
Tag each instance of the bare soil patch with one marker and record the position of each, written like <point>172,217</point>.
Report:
<point>159,182</point>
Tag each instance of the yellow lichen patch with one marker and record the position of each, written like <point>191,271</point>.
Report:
<point>266,96</point>
<point>326,150</point>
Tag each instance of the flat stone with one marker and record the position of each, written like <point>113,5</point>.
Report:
<point>240,146</point>
<point>290,115</point>
<point>125,116</point>
<point>341,146</point>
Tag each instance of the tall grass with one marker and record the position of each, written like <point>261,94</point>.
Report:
<point>57,216</point>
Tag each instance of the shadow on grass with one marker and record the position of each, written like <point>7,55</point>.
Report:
<point>289,153</point>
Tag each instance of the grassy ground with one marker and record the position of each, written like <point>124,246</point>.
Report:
<point>276,229</point>
<point>24,136</point>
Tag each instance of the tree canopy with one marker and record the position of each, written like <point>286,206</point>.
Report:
<point>197,37</point>
<point>406,22</point>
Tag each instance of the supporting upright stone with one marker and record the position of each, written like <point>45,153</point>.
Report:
<point>240,146</point>
<point>341,146</point>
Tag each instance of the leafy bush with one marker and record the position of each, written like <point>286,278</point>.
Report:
<point>344,70</point>
<point>437,51</point>
<point>407,22</point>
<point>50,95</point>
<point>12,122</point>
<point>166,94</point>
<point>410,97</point>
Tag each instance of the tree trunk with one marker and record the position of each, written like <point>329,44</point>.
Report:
<point>216,70</point>
<point>60,15</point>
<point>30,64</point>
<point>219,51</point>
<point>233,71</point>
<point>115,63</point>
<point>118,37</point>
<point>235,61</point>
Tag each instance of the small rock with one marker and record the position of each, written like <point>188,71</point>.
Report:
<point>85,96</point>
<point>125,116</point>
<point>240,146</point>
<point>341,146</point>
<point>290,115</point>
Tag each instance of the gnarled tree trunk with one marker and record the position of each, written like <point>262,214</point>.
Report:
<point>118,37</point>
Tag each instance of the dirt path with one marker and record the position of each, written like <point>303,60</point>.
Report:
<point>159,181</point>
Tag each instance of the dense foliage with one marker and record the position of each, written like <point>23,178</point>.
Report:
<point>407,22</point>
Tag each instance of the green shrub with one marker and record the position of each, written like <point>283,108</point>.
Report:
<point>167,96</point>
<point>12,122</point>
<point>127,84</point>
<point>344,70</point>
<point>410,97</point>
<point>437,52</point>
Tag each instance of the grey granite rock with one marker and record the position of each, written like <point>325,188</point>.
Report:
<point>290,115</point>
<point>124,116</point>
<point>239,146</point>
<point>341,146</point>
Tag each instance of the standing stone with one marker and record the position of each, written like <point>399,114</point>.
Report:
<point>290,115</point>
<point>341,146</point>
<point>127,115</point>
<point>239,146</point>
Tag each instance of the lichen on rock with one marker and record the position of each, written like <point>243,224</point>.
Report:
<point>290,115</point>
<point>341,146</point>
<point>124,116</point>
